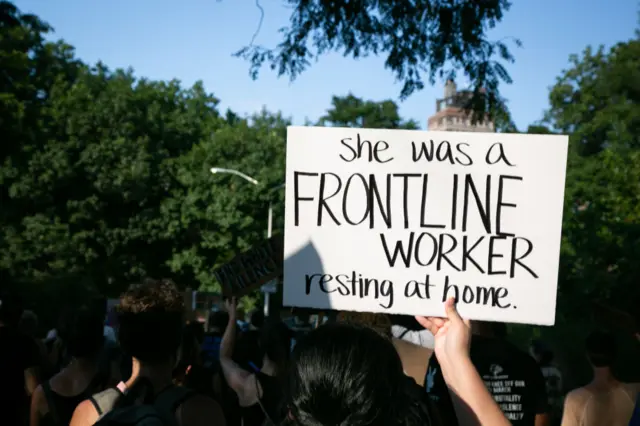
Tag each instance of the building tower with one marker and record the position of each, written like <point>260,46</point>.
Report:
<point>450,114</point>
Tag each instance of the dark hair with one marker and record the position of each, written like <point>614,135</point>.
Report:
<point>219,320</point>
<point>150,316</point>
<point>601,348</point>
<point>380,323</point>
<point>348,374</point>
<point>275,343</point>
<point>189,351</point>
<point>82,332</point>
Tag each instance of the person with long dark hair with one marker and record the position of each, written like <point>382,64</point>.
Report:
<point>19,359</point>
<point>260,392</point>
<point>54,401</point>
<point>348,374</point>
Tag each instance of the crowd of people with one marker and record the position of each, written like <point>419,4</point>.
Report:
<point>361,369</point>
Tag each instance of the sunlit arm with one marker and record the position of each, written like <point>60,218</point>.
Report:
<point>235,376</point>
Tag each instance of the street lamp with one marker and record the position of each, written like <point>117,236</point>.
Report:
<point>219,170</point>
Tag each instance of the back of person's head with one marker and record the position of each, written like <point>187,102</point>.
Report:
<point>10,309</point>
<point>348,374</point>
<point>81,331</point>
<point>257,318</point>
<point>601,348</point>
<point>150,316</point>
<point>218,321</point>
<point>275,343</point>
<point>29,323</point>
<point>380,323</point>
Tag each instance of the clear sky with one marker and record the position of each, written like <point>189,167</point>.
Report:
<point>194,40</point>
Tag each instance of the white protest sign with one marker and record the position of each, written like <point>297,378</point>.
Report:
<point>397,221</point>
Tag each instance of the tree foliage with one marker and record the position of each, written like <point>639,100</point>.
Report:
<point>350,111</point>
<point>104,176</point>
<point>597,102</point>
<point>421,40</point>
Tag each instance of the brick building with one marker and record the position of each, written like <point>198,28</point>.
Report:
<point>450,114</point>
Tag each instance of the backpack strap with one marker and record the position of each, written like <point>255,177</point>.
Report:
<point>51,403</point>
<point>168,401</point>
<point>105,400</point>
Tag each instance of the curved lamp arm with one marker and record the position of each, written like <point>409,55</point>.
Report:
<point>248,178</point>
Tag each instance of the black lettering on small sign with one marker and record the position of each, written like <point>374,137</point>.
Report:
<point>251,269</point>
<point>470,230</point>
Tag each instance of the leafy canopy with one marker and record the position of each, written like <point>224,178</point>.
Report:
<point>421,40</point>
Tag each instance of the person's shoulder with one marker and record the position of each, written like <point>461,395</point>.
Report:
<point>578,396</point>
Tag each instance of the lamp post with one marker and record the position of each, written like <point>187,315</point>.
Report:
<point>217,170</point>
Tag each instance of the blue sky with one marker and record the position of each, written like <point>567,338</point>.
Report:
<point>194,40</point>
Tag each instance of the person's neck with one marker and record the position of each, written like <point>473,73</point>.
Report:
<point>159,374</point>
<point>602,376</point>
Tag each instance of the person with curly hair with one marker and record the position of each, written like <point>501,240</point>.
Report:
<point>151,318</point>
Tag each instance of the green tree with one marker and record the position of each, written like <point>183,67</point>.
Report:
<point>213,217</point>
<point>597,102</point>
<point>421,40</point>
<point>350,111</point>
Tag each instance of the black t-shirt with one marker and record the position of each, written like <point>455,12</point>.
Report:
<point>511,375</point>
<point>17,353</point>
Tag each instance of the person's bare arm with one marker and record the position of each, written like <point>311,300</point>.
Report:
<point>472,402</point>
<point>84,415</point>
<point>237,378</point>
<point>542,419</point>
<point>37,401</point>
<point>30,380</point>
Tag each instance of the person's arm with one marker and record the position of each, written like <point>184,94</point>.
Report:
<point>31,361</point>
<point>37,400</point>
<point>542,419</point>
<point>84,414</point>
<point>539,388</point>
<point>235,376</point>
<point>30,380</point>
<point>472,402</point>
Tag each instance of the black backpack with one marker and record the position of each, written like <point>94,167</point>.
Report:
<point>117,408</point>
